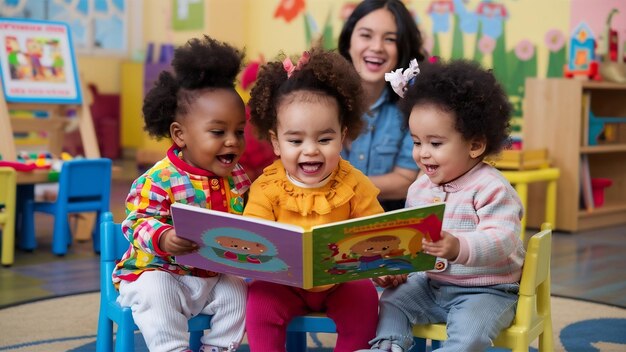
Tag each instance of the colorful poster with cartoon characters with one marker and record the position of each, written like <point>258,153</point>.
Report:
<point>37,62</point>
<point>388,243</point>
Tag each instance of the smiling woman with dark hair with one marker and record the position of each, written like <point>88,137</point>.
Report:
<point>378,37</point>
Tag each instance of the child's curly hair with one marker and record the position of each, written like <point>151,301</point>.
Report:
<point>471,93</point>
<point>327,73</point>
<point>200,64</point>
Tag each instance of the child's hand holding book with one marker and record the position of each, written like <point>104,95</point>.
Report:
<point>446,247</point>
<point>174,245</point>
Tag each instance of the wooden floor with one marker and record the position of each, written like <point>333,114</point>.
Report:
<point>585,265</point>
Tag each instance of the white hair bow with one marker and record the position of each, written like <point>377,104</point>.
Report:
<point>399,79</point>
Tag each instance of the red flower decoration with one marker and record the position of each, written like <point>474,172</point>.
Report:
<point>346,10</point>
<point>289,9</point>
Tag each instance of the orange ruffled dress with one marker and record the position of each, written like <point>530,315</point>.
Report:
<point>349,194</point>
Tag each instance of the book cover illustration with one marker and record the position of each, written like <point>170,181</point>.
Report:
<point>388,243</point>
<point>385,244</point>
<point>239,245</point>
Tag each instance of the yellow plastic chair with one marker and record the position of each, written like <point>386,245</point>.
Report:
<point>521,179</point>
<point>533,317</point>
<point>7,214</point>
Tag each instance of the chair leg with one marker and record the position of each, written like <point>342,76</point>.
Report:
<point>104,339</point>
<point>419,345</point>
<point>546,340</point>
<point>125,338</point>
<point>8,240</point>
<point>27,239</point>
<point>96,233</point>
<point>59,233</point>
<point>296,341</point>
<point>194,340</point>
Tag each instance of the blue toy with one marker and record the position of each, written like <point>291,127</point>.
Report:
<point>597,126</point>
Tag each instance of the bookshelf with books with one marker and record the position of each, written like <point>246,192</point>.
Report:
<point>583,126</point>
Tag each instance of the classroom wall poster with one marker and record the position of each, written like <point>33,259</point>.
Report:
<point>37,62</point>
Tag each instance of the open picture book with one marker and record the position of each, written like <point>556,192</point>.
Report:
<point>367,247</point>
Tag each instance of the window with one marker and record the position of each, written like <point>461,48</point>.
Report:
<point>97,26</point>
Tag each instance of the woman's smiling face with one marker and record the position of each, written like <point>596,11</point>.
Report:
<point>373,45</point>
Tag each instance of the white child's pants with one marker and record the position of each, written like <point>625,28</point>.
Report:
<point>162,303</point>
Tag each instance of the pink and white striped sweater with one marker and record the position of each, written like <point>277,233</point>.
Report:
<point>483,211</point>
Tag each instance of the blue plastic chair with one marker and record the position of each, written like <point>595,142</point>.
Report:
<point>84,186</point>
<point>113,245</point>
<point>299,326</point>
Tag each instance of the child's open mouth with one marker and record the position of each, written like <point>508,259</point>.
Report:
<point>310,168</point>
<point>430,169</point>
<point>226,158</point>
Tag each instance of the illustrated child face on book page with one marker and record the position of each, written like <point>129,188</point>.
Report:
<point>376,246</point>
<point>241,246</point>
<point>241,249</point>
<point>308,136</point>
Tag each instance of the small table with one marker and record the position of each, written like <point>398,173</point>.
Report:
<point>521,179</point>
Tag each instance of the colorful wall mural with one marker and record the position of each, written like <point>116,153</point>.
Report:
<point>516,38</point>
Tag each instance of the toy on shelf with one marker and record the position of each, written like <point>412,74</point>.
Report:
<point>582,62</point>
<point>608,47</point>
<point>27,162</point>
<point>41,160</point>
<point>597,186</point>
<point>598,128</point>
<point>612,67</point>
<point>521,159</point>
<point>18,166</point>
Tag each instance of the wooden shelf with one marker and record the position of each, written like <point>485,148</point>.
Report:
<point>607,208</point>
<point>602,85</point>
<point>33,124</point>
<point>608,148</point>
<point>554,118</point>
<point>54,125</point>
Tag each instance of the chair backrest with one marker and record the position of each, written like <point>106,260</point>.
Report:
<point>534,292</point>
<point>113,244</point>
<point>86,179</point>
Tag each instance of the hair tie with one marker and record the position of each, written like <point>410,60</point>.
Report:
<point>290,67</point>
<point>400,79</point>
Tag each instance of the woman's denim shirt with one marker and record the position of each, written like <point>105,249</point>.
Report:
<point>385,142</point>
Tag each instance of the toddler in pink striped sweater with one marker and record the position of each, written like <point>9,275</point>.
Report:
<point>458,115</point>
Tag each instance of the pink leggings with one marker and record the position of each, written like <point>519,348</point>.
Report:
<point>353,306</point>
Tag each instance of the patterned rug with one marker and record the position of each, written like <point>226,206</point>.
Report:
<point>70,323</point>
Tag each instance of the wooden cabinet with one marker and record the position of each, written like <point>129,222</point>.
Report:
<point>556,117</point>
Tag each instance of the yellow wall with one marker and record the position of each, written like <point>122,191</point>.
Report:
<point>269,36</point>
<point>103,71</point>
<point>224,20</point>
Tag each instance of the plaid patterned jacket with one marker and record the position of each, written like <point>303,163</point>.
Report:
<point>148,211</point>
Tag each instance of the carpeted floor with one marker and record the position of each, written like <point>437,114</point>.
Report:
<point>69,324</point>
